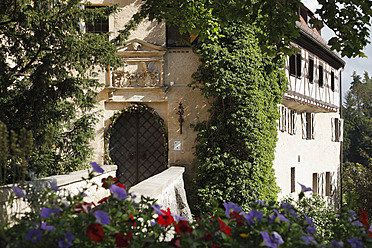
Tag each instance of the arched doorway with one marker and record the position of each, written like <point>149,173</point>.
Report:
<point>138,144</point>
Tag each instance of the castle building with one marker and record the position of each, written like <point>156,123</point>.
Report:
<point>147,106</point>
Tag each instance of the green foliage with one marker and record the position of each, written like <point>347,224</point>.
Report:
<point>236,145</point>
<point>131,222</point>
<point>357,180</point>
<point>47,83</point>
<point>276,20</point>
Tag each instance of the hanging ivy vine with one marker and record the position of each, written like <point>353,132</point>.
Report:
<point>235,149</point>
<point>136,108</point>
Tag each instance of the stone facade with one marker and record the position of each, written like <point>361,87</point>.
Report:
<point>158,75</point>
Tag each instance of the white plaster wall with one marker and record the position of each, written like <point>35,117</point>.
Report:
<point>316,156</point>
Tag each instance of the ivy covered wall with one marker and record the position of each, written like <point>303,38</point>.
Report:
<point>235,147</point>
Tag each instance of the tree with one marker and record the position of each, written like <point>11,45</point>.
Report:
<point>235,147</point>
<point>358,121</point>
<point>275,20</point>
<point>47,85</point>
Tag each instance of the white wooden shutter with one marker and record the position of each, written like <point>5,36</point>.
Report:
<point>294,122</point>
<point>333,129</point>
<point>280,118</point>
<point>341,130</point>
<point>303,120</point>
<point>312,125</point>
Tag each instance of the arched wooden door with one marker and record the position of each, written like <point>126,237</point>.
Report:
<point>137,146</point>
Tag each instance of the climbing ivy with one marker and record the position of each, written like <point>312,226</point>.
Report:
<point>235,149</point>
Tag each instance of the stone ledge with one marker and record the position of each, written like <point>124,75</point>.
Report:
<point>155,185</point>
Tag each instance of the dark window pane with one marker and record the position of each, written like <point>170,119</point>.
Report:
<point>321,76</point>
<point>175,39</point>
<point>311,70</point>
<point>100,25</point>
<point>332,81</point>
<point>293,180</point>
<point>292,65</point>
<point>298,65</point>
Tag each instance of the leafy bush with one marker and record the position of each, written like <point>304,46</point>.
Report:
<point>121,221</point>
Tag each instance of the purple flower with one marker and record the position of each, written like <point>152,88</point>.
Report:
<point>274,242</point>
<point>179,218</point>
<point>118,192</point>
<point>279,217</point>
<point>96,167</point>
<point>46,212</point>
<point>157,209</point>
<point>277,238</point>
<point>308,220</point>
<point>53,187</point>
<point>253,215</point>
<point>102,217</point>
<point>231,206</point>
<point>66,240</point>
<point>18,191</point>
<point>304,188</point>
<point>34,235</point>
<point>307,240</point>
<point>357,223</point>
<point>45,226</point>
<point>288,208</point>
<point>310,230</point>
<point>370,228</point>
<point>261,202</point>
<point>355,243</point>
<point>337,243</point>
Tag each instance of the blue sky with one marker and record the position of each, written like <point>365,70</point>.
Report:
<point>360,65</point>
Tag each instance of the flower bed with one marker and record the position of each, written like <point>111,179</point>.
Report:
<point>122,220</point>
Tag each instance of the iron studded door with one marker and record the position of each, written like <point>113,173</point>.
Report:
<point>137,147</point>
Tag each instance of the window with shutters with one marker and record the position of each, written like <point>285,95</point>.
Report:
<point>283,118</point>
<point>337,126</point>
<point>293,180</point>
<point>311,70</point>
<point>295,65</point>
<point>321,82</point>
<point>332,81</point>
<point>315,183</point>
<point>308,125</point>
<point>328,184</point>
<point>292,119</point>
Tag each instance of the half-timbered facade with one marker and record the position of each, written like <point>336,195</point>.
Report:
<point>310,127</point>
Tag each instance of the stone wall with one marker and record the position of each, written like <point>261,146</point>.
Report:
<point>167,187</point>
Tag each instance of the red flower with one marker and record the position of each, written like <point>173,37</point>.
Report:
<point>364,219</point>
<point>216,246</point>
<point>107,182</point>
<point>207,237</point>
<point>166,219</point>
<point>95,232</point>
<point>83,207</point>
<point>183,227</point>
<point>123,241</point>
<point>131,221</point>
<point>121,186</point>
<point>224,228</point>
<point>105,200</point>
<point>238,218</point>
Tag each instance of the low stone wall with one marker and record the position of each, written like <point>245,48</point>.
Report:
<point>168,188</point>
<point>73,183</point>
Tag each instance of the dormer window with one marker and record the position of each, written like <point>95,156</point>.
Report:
<point>295,65</point>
